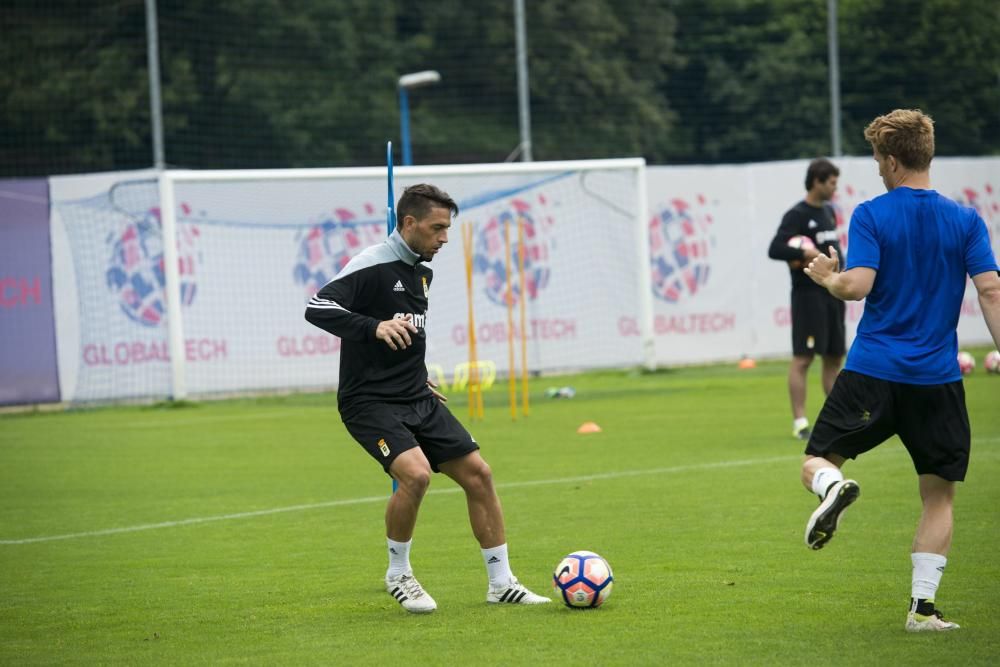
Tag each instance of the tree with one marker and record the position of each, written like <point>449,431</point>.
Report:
<point>754,82</point>
<point>73,82</point>
<point>942,56</point>
<point>597,78</point>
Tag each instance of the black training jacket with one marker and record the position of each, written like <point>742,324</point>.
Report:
<point>383,282</point>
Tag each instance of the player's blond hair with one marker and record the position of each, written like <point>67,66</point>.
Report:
<point>905,134</point>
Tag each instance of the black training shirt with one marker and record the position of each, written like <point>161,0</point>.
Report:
<point>819,224</point>
<point>383,282</point>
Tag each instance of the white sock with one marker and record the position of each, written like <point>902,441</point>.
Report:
<point>497,565</point>
<point>800,424</point>
<point>927,571</point>
<point>399,558</point>
<point>823,478</point>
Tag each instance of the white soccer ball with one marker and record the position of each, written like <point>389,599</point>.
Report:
<point>966,362</point>
<point>583,579</point>
<point>801,242</point>
<point>991,362</point>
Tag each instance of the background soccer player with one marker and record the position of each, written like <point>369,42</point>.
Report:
<point>911,250</point>
<point>378,306</point>
<point>817,317</point>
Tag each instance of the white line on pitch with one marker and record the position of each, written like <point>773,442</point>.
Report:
<point>375,499</point>
<point>383,498</point>
<point>208,419</point>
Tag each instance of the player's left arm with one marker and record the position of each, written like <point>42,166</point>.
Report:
<point>981,265</point>
<point>988,286</point>
<point>850,285</point>
<point>856,282</point>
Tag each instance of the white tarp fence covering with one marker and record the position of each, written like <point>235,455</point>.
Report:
<point>252,252</point>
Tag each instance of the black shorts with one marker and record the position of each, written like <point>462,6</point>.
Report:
<point>817,323</point>
<point>386,430</point>
<point>862,412</point>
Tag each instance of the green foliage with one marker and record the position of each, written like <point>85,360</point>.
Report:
<point>262,83</point>
<point>941,56</point>
<point>251,531</point>
<point>597,75</point>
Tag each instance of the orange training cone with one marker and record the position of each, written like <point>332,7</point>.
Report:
<point>588,427</point>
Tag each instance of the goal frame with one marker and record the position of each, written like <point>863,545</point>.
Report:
<point>169,178</point>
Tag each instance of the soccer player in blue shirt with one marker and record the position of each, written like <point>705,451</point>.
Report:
<point>910,252</point>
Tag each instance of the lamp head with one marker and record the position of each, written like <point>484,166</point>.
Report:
<point>417,79</point>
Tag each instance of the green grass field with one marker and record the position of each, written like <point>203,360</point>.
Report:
<point>251,531</point>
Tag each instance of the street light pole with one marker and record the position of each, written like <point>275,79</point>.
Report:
<point>524,113</point>
<point>833,48</point>
<point>406,82</point>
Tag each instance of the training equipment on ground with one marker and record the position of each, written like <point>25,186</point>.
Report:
<point>800,241</point>
<point>966,362</point>
<point>583,579</point>
<point>991,362</point>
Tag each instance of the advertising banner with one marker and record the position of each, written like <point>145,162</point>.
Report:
<point>28,369</point>
<point>252,251</point>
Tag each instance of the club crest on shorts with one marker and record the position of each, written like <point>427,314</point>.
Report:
<point>384,448</point>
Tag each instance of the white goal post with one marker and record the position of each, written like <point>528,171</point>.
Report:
<point>252,244</point>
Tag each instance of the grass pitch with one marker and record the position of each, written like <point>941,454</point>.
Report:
<point>252,532</point>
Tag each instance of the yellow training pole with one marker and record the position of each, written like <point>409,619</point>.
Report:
<point>475,389</point>
<point>512,376</point>
<point>522,251</point>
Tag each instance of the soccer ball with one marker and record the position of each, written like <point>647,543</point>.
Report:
<point>992,362</point>
<point>583,579</point>
<point>801,242</point>
<point>966,362</point>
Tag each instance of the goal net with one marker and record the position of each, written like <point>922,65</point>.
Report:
<point>253,246</point>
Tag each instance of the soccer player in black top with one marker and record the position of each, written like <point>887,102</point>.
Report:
<point>817,317</point>
<point>377,305</point>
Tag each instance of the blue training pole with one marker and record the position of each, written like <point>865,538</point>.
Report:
<point>390,222</point>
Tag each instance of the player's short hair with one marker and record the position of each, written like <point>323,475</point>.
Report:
<point>820,169</point>
<point>905,134</point>
<point>418,200</point>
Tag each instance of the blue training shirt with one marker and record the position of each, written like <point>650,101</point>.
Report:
<point>922,245</point>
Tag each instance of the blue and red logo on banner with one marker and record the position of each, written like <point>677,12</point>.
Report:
<point>490,255</point>
<point>328,245</point>
<point>680,245</point>
<point>135,269</point>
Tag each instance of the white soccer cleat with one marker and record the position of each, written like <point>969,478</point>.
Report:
<point>934,623</point>
<point>514,593</point>
<point>408,592</point>
<point>824,521</point>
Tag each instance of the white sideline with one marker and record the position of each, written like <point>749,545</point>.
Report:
<point>383,498</point>
<point>375,499</point>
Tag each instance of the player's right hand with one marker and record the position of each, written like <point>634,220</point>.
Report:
<point>396,333</point>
